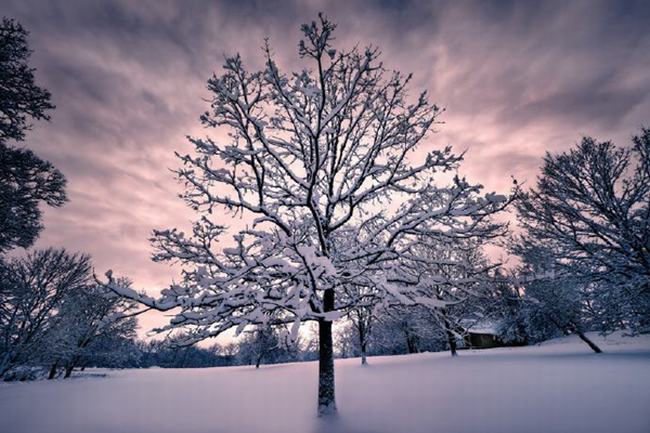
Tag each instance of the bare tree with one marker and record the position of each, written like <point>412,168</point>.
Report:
<point>31,290</point>
<point>591,205</point>
<point>363,318</point>
<point>265,343</point>
<point>321,160</point>
<point>354,336</point>
<point>554,300</point>
<point>86,315</point>
<point>457,277</point>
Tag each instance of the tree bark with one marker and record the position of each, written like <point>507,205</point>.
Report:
<point>68,370</point>
<point>411,343</point>
<point>7,362</point>
<point>362,341</point>
<point>70,366</point>
<point>364,361</point>
<point>326,396</point>
<point>451,338</point>
<point>52,373</point>
<point>590,343</point>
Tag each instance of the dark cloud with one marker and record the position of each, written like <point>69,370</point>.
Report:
<point>517,79</point>
<point>598,99</point>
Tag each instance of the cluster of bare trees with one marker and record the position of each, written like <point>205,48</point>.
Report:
<point>55,317</point>
<point>460,285</point>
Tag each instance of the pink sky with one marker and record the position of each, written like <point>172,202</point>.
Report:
<point>128,79</point>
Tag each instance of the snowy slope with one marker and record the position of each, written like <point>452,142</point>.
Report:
<point>558,386</point>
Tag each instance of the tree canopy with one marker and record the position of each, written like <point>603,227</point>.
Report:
<point>25,179</point>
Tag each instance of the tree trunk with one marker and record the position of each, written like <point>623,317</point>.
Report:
<point>52,373</point>
<point>258,361</point>
<point>411,343</point>
<point>362,341</point>
<point>326,396</point>
<point>71,365</point>
<point>590,343</point>
<point>326,400</point>
<point>6,363</point>
<point>68,370</point>
<point>451,338</point>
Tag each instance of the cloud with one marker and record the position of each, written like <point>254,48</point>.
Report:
<point>128,78</point>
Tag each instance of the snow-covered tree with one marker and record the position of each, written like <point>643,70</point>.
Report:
<point>456,281</point>
<point>31,291</point>
<point>265,343</point>
<point>592,205</point>
<point>86,315</point>
<point>401,329</point>
<point>554,302</point>
<point>510,302</point>
<point>457,278</point>
<point>354,335</point>
<point>322,163</point>
<point>362,318</point>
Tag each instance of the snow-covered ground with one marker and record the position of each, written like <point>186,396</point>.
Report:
<point>559,386</point>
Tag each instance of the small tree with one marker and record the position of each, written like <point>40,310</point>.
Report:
<point>401,329</point>
<point>455,276</point>
<point>264,343</point>
<point>86,315</point>
<point>354,336</point>
<point>362,319</point>
<point>592,205</point>
<point>554,301</point>
<point>320,160</point>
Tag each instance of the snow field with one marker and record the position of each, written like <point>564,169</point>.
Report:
<point>559,386</point>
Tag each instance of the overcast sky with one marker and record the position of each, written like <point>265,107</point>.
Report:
<point>516,78</point>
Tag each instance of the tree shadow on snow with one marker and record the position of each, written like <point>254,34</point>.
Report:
<point>337,425</point>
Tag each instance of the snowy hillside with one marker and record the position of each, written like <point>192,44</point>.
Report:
<point>559,386</point>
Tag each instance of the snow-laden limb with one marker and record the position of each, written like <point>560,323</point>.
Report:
<point>323,160</point>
